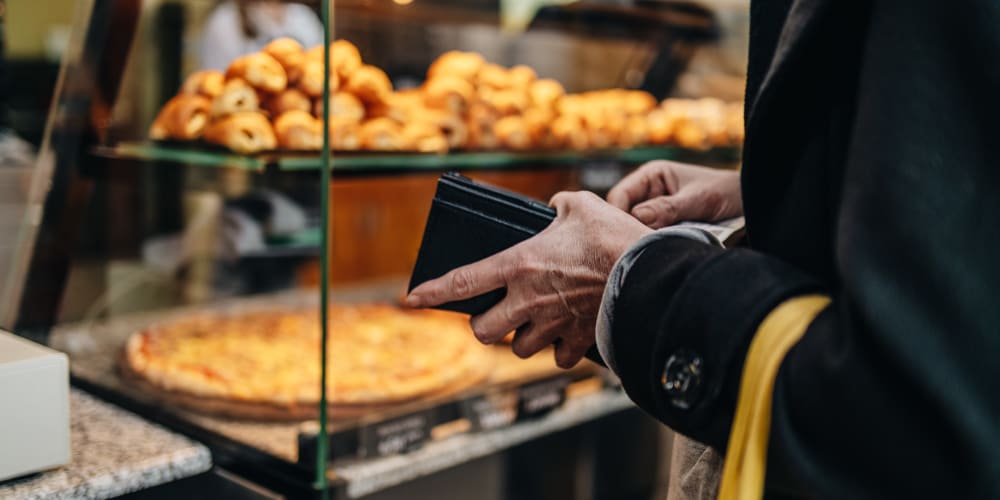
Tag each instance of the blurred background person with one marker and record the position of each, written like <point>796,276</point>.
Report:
<point>239,27</point>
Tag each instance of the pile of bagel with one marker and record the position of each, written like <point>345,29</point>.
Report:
<point>272,100</point>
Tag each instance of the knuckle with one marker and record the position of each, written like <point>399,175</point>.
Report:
<point>534,308</point>
<point>657,166</point>
<point>651,166</point>
<point>666,208</point>
<point>563,357</point>
<point>530,267</point>
<point>589,197</point>
<point>521,350</point>
<point>478,329</point>
<point>711,198</point>
<point>509,316</point>
<point>515,273</point>
<point>462,282</point>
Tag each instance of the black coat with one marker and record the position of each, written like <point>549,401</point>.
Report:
<point>871,174</point>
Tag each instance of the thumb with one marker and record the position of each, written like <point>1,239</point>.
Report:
<point>664,211</point>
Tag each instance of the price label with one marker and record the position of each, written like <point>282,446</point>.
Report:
<point>491,411</point>
<point>398,435</point>
<point>535,400</point>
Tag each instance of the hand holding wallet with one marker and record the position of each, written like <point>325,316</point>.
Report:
<point>468,222</point>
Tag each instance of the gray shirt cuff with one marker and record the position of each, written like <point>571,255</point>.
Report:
<point>605,315</point>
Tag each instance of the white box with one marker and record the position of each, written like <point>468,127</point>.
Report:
<point>34,407</point>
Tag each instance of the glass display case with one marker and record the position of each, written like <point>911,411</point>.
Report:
<point>231,195</point>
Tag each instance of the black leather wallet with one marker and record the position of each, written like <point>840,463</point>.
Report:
<point>470,221</point>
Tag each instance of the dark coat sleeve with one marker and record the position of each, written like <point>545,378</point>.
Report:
<point>894,391</point>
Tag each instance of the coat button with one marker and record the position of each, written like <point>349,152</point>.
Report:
<point>681,378</point>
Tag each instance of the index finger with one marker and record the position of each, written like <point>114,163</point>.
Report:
<point>635,187</point>
<point>461,283</point>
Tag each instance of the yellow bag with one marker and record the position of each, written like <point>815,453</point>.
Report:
<point>746,456</point>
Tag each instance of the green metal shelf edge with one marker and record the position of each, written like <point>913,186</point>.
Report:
<point>203,158</point>
<point>364,162</point>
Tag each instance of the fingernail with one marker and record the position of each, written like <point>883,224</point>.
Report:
<point>413,300</point>
<point>644,214</point>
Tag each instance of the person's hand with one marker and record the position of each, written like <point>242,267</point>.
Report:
<point>661,193</point>
<point>554,280</point>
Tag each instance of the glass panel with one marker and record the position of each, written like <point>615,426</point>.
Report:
<point>188,294</point>
<point>195,242</point>
<point>498,131</point>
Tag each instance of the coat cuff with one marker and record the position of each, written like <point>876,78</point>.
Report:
<point>699,319</point>
<point>619,272</point>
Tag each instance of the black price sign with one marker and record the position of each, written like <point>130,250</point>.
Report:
<point>398,435</point>
<point>491,411</point>
<point>539,398</point>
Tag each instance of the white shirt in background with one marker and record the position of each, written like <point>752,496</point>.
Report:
<point>223,39</point>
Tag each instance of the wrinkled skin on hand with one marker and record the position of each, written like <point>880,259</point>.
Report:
<point>662,193</point>
<point>555,280</point>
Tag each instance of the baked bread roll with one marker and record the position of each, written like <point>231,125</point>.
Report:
<point>451,125</point>
<point>568,132</point>
<point>290,54</point>
<point>369,84</point>
<point>401,106</point>
<point>344,134</point>
<point>571,104</point>
<point>506,102</point>
<point>381,134</point>
<point>183,118</point>
<point>342,105</point>
<point>244,133</point>
<point>299,130</point>
<point>638,102</point>
<point>347,106</point>
<point>600,137</point>
<point>479,124</point>
<point>711,113</point>
<point>424,137</point>
<point>521,76</point>
<point>546,92</point>
<point>237,96</point>
<point>288,100</point>
<point>691,134</point>
<point>464,65</point>
<point>206,83</point>
<point>734,122</point>
<point>449,93</point>
<point>660,126</point>
<point>614,123</point>
<point>513,133</point>
<point>536,122</point>
<point>345,58</point>
<point>259,70</point>
<point>311,81</point>
<point>493,76</point>
<point>481,137</point>
<point>635,133</point>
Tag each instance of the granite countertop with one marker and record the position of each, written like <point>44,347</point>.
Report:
<point>113,452</point>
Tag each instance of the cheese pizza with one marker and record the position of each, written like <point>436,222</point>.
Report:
<point>266,364</point>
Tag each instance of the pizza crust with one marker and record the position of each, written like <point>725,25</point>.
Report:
<point>265,412</point>
<point>264,365</point>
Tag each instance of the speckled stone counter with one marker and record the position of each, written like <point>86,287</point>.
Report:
<point>113,452</point>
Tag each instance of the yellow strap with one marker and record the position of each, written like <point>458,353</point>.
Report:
<point>746,456</point>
